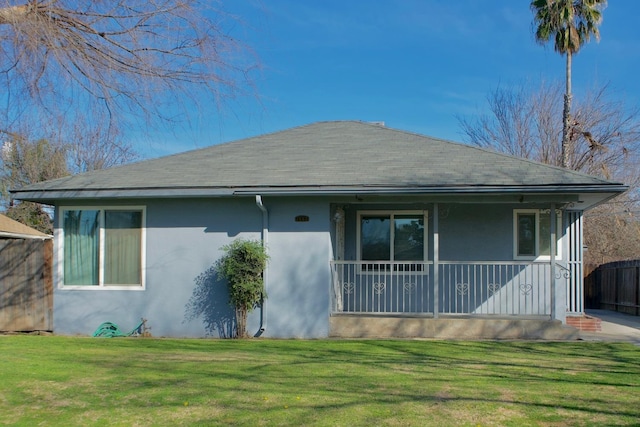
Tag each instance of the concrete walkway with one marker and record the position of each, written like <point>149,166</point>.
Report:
<point>615,327</point>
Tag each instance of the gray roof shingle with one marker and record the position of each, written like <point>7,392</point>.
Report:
<point>317,157</point>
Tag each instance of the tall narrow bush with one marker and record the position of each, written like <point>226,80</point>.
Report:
<point>243,265</point>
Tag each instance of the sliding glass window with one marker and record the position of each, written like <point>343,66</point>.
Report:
<point>103,247</point>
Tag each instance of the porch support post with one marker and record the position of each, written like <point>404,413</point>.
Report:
<point>339,219</point>
<point>559,293</point>
<point>552,261</point>
<point>338,269</point>
<point>436,259</point>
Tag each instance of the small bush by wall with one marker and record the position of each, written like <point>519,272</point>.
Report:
<point>242,266</point>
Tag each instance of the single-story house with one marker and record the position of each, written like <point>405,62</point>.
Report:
<point>371,231</point>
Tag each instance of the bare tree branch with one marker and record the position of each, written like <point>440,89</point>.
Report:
<point>604,140</point>
<point>524,122</point>
<point>126,55</point>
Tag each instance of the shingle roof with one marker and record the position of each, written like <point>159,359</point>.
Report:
<point>14,229</point>
<point>319,157</point>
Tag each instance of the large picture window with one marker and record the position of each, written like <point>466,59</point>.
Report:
<point>532,234</point>
<point>102,247</point>
<point>392,236</point>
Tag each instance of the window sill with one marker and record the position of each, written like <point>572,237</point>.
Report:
<point>101,288</point>
<point>536,259</point>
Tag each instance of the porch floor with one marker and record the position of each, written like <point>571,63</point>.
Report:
<point>367,326</point>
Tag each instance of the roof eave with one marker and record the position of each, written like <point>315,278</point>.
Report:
<point>422,190</point>
<point>45,196</point>
<point>10,235</point>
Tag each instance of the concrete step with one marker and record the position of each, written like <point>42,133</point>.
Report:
<point>367,326</point>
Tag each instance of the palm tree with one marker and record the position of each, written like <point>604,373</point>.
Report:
<point>571,23</point>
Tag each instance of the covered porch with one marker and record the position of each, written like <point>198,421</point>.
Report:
<point>500,296</point>
<point>450,300</point>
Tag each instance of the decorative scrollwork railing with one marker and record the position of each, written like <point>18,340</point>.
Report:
<point>383,287</point>
<point>494,288</point>
<point>463,288</point>
<point>562,272</point>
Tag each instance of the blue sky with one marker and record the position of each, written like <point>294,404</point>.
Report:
<point>417,65</point>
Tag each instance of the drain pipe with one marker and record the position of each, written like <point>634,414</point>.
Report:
<point>265,275</point>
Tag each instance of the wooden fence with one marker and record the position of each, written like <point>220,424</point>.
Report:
<point>26,285</point>
<point>614,286</point>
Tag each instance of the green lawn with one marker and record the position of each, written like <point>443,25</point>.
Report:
<point>49,380</point>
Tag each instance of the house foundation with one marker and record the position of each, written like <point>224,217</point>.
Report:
<point>364,326</point>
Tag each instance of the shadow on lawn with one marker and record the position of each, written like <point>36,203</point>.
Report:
<point>538,381</point>
<point>559,362</point>
<point>210,301</point>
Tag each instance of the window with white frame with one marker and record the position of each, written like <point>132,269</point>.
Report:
<point>532,233</point>
<point>102,247</point>
<point>392,236</point>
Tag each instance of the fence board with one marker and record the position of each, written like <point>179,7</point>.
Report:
<point>591,291</point>
<point>26,285</point>
<point>615,286</point>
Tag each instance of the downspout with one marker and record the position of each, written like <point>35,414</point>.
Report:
<point>265,239</point>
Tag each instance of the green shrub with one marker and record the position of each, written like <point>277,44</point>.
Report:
<point>242,266</point>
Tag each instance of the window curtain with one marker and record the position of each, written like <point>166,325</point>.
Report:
<point>81,247</point>
<point>122,248</point>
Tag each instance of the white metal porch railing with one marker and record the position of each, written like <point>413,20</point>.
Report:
<point>382,287</point>
<point>503,288</point>
<point>463,288</point>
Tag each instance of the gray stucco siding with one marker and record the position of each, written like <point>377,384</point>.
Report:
<point>467,231</point>
<point>476,232</point>
<point>299,275</point>
<point>183,240</point>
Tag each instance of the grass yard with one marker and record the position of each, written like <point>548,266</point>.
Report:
<point>50,380</point>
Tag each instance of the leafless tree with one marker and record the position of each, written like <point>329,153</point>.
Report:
<point>524,122</point>
<point>27,157</point>
<point>88,144</point>
<point>521,123</point>
<point>604,141</point>
<point>25,161</point>
<point>122,56</point>
<point>612,232</point>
